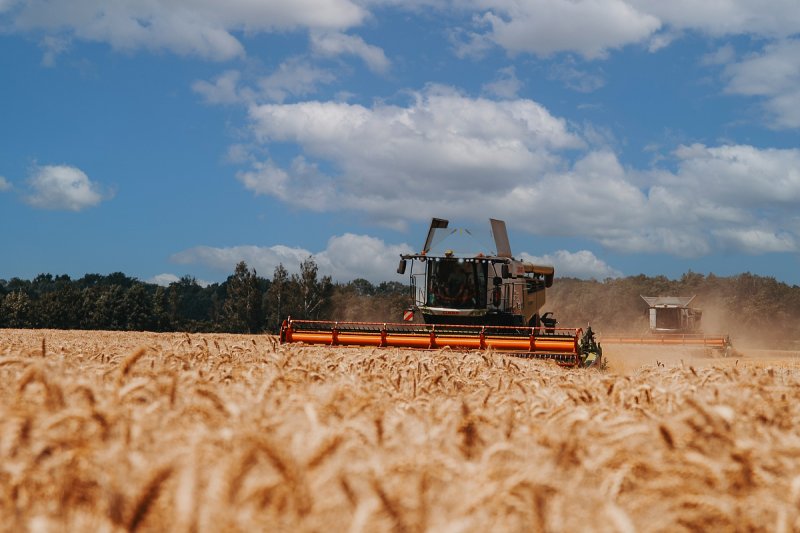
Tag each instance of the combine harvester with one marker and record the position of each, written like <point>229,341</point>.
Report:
<point>467,302</point>
<point>674,323</point>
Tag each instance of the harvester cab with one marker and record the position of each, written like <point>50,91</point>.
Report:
<point>467,301</point>
<point>487,288</point>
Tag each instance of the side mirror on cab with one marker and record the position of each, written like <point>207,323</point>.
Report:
<point>401,268</point>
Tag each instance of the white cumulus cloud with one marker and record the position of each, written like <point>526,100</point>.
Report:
<point>776,18</point>
<point>345,258</point>
<point>732,196</point>
<point>738,176</point>
<point>735,197</point>
<point>592,28</point>
<point>774,76</point>
<point>581,264</point>
<point>211,29</point>
<point>756,241</point>
<point>62,187</point>
<point>203,28</point>
<point>352,256</point>
<point>263,259</point>
<point>164,279</point>
<point>5,185</point>
<point>588,27</point>
<point>442,145</point>
<point>514,160</point>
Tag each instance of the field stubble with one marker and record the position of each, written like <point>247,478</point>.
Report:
<point>137,431</point>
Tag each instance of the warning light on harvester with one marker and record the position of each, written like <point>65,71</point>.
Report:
<point>408,315</point>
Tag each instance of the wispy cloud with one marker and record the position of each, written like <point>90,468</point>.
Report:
<point>332,44</point>
<point>723,55</point>
<point>53,46</point>
<point>505,86</point>
<point>575,78</point>
<point>293,78</point>
<point>224,89</point>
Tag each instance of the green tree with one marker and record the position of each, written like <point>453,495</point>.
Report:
<point>137,308</point>
<point>174,305</point>
<point>242,311</point>
<point>16,308</point>
<point>362,287</point>
<point>313,294</point>
<point>103,307</point>
<point>60,307</point>
<point>190,305</point>
<point>277,303</point>
<point>161,310</point>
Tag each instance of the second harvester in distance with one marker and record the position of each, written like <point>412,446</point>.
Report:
<point>478,301</point>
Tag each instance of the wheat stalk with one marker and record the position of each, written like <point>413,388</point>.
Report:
<point>147,496</point>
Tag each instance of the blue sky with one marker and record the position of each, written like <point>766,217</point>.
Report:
<point>615,137</point>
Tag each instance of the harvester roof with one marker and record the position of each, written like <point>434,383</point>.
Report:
<point>668,301</point>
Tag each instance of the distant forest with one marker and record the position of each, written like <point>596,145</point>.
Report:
<point>244,303</point>
<point>748,307</point>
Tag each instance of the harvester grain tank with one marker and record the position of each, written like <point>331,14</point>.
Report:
<point>477,301</point>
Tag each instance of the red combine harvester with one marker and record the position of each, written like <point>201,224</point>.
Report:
<point>466,302</point>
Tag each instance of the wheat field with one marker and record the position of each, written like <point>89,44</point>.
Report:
<point>104,431</point>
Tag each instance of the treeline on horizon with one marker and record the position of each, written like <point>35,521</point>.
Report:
<point>747,307</point>
<point>244,303</point>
